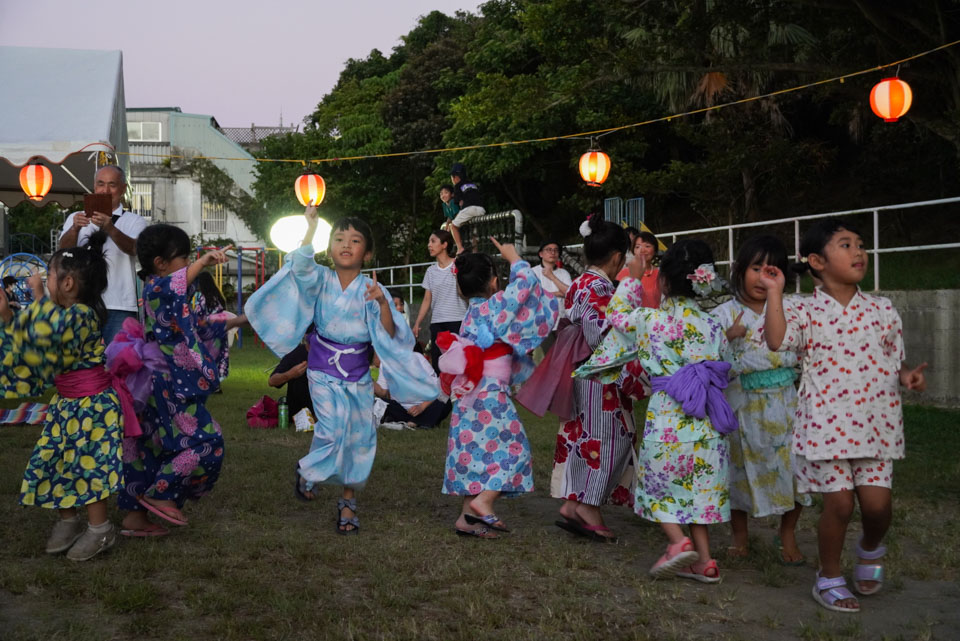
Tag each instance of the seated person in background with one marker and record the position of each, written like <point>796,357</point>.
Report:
<point>10,289</point>
<point>450,206</point>
<point>425,415</point>
<point>400,305</point>
<point>292,372</point>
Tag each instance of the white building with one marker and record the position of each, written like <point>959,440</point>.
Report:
<point>165,189</point>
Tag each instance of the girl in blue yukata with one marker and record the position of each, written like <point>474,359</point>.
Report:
<point>180,453</point>
<point>350,312</point>
<point>488,453</point>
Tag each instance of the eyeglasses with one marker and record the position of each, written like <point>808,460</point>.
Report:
<point>551,250</point>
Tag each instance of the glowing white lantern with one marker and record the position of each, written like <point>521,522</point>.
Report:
<point>287,233</point>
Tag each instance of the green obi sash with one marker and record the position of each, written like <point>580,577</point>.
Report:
<point>768,378</point>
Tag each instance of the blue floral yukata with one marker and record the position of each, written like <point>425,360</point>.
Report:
<point>77,459</point>
<point>179,455</point>
<point>345,434</point>
<point>488,448</point>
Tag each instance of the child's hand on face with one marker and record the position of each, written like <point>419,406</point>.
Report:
<point>638,266</point>
<point>507,250</point>
<point>736,330</point>
<point>375,293</point>
<point>36,285</point>
<point>913,379</point>
<point>772,279</point>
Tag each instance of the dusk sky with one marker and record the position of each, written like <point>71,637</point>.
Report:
<point>241,62</point>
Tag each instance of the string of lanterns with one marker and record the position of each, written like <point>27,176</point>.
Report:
<point>890,99</point>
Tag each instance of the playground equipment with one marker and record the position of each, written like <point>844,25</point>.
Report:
<point>260,257</point>
<point>20,266</point>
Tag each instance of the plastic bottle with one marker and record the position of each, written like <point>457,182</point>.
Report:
<point>283,413</point>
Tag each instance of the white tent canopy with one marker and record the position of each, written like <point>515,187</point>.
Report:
<point>61,106</point>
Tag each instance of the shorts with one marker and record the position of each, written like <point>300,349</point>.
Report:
<point>468,213</point>
<point>842,474</point>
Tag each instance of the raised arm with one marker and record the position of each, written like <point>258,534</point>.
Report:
<point>775,321</point>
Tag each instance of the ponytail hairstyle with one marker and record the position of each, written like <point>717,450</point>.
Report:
<point>756,251</point>
<point>602,239</point>
<point>474,272</point>
<point>446,237</point>
<point>816,238</point>
<point>87,265</point>
<point>212,295</point>
<point>681,261</point>
<point>160,241</point>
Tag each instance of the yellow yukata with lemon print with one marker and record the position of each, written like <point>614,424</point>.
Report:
<point>77,459</point>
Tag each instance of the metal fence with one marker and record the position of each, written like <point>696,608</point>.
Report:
<point>723,235</point>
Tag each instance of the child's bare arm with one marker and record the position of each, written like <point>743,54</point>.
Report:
<point>215,257</point>
<point>775,322</point>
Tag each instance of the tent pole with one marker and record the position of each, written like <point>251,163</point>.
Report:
<point>70,173</point>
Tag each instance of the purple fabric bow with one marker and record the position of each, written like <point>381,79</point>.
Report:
<point>698,387</point>
<point>131,357</point>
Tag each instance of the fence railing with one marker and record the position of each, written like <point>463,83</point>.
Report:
<point>730,231</point>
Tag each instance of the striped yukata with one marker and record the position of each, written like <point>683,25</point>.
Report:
<point>593,462</point>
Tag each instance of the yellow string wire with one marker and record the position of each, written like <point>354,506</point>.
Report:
<point>582,134</point>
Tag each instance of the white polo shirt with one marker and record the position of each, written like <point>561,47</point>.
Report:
<point>121,292</point>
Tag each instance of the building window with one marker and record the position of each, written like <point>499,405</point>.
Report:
<point>142,199</point>
<point>214,218</point>
<point>143,131</point>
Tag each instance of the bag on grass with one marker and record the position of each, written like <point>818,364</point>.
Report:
<point>263,414</point>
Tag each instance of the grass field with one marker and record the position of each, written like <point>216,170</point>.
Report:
<point>255,563</point>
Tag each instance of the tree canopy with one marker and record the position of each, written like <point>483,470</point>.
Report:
<point>523,69</point>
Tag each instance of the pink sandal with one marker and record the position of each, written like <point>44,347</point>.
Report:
<point>678,555</point>
<point>703,572</point>
<point>169,514</point>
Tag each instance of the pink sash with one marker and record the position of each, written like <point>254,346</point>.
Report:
<point>87,382</point>
<point>550,387</point>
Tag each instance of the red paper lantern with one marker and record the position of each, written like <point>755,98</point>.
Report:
<point>891,99</point>
<point>594,167</point>
<point>35,180</point>
<point>310,188</point>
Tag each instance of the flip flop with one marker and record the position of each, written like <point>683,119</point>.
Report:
<point>480,533</point>
<point>169,514</point>
<point>594,532</point>
<point>574,526</point>
<point>153,529</point>
<point>489,520</point>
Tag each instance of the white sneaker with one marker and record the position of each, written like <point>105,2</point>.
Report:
<point>394,425</point>
<point>64,535</point>
<point>92,543</point>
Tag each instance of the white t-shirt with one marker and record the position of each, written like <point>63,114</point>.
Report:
<point>550,287</point>
<point>121,292</point>
<point>446,304</point>
<point>426,371</point>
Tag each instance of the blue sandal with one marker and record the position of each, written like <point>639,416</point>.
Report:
<point>827,592</point>
<point>342,523</point>
<point>492,521</point>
